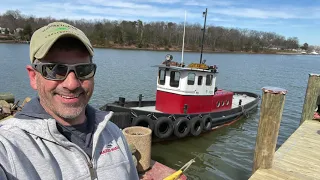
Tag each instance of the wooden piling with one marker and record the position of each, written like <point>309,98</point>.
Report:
<point>270,117</point>
<point>311,96</point>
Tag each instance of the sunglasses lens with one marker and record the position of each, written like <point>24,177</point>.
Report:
<point>60,71</point>
<point>54,71</point>
<point>85,71</point>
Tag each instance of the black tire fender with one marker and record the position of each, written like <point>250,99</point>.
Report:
<point>181,127</point>
<point>144,121</point>
<point>196,125</point>
<point>163,127</point>
<point>207,122</point>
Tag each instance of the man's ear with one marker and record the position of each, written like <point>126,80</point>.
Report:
<point>32,77</point>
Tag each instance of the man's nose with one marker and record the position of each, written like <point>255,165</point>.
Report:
<point>71,82</point>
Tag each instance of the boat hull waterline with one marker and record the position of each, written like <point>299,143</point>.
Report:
<point>173,126</point>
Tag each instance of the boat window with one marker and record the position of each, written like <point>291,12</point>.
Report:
<point>222,104</point>
<point>209,79</point>
<point>162,76</point>
<point>191,78</point>
<point>174,78</point>
<point>200,80</point>
<point>227,103</point>
<point>218,104</point>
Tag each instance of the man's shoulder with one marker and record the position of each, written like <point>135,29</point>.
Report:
<point>16,126</point>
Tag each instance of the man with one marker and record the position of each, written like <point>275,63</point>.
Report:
<point>58,135</point>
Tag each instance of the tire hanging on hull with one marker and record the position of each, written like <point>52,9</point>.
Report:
<point>163,127</point>
<point>207,122</point>
<point>181,127</point>
<point>196,125</point>
<point>121,119</point>
<point>144,121</point>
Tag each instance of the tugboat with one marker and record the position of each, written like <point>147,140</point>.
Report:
<point>187,103</point>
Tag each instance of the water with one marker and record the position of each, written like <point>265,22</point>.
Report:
<point>225,153</point>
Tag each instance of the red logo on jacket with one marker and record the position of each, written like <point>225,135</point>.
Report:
<point>110,147</point>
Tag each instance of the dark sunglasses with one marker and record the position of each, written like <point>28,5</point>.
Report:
<point>58,72</point>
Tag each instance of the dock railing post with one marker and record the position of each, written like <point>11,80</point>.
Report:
<point>311,96</point>
<point>271,109</point>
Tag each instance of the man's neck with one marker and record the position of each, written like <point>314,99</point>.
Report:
<point>70,122</point>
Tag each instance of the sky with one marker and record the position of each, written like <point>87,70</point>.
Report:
<point>290,18</point>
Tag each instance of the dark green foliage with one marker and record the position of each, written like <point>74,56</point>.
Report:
<point>157,35</point>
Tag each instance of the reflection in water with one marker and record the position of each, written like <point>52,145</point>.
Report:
<point>213,158</point>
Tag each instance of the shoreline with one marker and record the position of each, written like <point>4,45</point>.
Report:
<point>169,49</point>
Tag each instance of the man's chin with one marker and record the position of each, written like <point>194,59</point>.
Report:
<point>70,113</point>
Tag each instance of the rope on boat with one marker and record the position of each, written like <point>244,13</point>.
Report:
<point>133,113</point>
<point>244,111</point>
<point>152,115</point>
<point>178,173</point>
<point>172,117</point>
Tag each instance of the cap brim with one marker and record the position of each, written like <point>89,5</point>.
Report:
<point>42,52</point>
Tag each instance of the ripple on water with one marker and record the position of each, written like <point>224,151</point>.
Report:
<point>226,153</point>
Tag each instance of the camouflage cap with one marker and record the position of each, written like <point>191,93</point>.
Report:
<point>45,37</point>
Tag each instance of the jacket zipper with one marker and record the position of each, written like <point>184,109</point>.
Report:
<point>92,171</point>
<point>93,174</point>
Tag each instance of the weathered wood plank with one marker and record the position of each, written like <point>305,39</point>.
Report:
<point>311,96</point>
<point>271,174</point>
<point>298,157</point>
<point>270,117</point>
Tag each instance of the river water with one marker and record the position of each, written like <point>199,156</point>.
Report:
<point>226,153</point>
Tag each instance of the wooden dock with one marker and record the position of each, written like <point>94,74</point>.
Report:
<point>298,157</point>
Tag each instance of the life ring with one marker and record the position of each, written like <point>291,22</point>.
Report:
<point>144,121</point>
<point>207,122</point>
<point>196,125</point>
<point>181,127</point>
<point>163,127</point>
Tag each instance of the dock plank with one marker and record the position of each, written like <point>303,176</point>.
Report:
<point>298,157</point>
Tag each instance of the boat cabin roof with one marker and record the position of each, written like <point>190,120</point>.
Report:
<point>178,68</point>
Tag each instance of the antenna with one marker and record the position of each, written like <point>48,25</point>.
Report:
<point>204,29</point>
<point>184,33</point>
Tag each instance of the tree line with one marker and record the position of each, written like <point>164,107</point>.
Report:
<point>155,35</point>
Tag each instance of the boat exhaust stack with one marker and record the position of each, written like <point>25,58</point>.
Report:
<point>122,101</point>
<point>140,100</point>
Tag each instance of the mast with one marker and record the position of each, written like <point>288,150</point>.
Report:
<point>204,29</point>
<point>184,33</point>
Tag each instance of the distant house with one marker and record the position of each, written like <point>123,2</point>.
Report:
<point>18,30</point>
<point>3,30</point>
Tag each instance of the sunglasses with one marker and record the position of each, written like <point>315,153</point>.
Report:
<point>58,72</point>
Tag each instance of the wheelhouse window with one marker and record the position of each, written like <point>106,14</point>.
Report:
<point>191,78</point>
<point>209,79</point>
<point>162,77</point>
<point>200,80</point>
<point>174,78</point>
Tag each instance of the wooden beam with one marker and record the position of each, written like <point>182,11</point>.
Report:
<point>270,117</point>
<point>311,96</point>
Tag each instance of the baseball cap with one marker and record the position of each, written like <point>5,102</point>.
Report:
<point>43,38</point>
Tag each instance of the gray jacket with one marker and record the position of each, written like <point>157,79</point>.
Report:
<point>35,149</point>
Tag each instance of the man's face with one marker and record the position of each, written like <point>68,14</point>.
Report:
<point>67,98</point>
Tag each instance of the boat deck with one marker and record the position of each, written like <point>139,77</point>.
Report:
<point>235,103</point>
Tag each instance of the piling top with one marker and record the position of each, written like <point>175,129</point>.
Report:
<point>274,90</point>
<point>311,74</point>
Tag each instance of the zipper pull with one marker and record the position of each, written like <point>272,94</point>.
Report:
<point>92,172</point>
